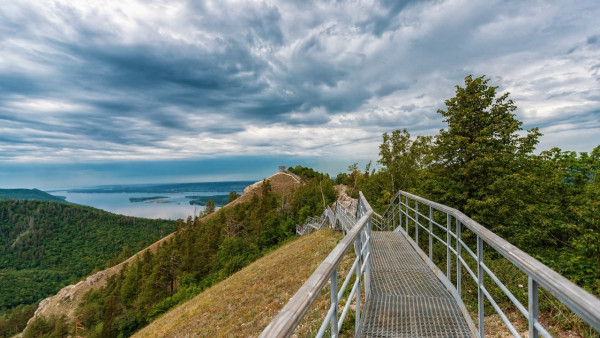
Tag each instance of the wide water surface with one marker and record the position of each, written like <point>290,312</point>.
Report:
<point>173,205</point>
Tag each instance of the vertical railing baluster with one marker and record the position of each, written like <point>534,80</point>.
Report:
<point>480,279</point>
<point>393,218</point>
<point>458,264</point>
<point>448,244</point>
<point>368,262</point>
<point>406,209</point>
<point>533,306</point>
<point>417,223</point>
<point>357,311</point>
<point>359,258</point>
<point>431,233</point>
<point>400,211</point>
<point>334,304</point>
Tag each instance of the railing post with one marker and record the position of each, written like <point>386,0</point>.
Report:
<point>368,262</point>
<point>458,264</point>
<point>399,211</point>
<point>417,222</point>
<point>430,233</point>
<point>533,306</point>
<point>480,279</point>
<point>406,208</point>
<point>334,304</point>
<point>358,268</point>
<point>393,218</point>
<point>448,244</point>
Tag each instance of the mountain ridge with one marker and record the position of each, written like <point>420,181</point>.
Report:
<point>29,194</point>
<point>66,300</point>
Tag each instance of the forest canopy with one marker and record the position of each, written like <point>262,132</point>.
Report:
<point>45,246</point>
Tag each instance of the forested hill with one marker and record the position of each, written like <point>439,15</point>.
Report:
<point>28,194</point>
<point>45,246</point>
<point>203,251</point>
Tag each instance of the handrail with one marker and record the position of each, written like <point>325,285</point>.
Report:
<point>575,298</point>
<point>385,212</point>
<point>378,221</point>
<point>286,321</point>
<point>345,216</point>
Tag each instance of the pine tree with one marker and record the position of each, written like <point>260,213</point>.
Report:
<point>480,145</point>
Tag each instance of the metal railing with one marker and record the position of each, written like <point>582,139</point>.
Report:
<point>379,223</point>
<point>288,319</point>
<point>414,216</point>
<point>345,217</point>
<point>310,224</point>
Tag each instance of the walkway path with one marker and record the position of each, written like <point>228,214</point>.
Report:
<point>407,299</point>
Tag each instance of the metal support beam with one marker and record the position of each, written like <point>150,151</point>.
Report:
<point>448,245</point>
<point>334,304</point>
<point>458,263</point>
<point>533,307</point>
<point>480,280</point>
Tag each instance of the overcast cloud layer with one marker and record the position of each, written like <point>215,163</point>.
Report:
<point>178,80</point>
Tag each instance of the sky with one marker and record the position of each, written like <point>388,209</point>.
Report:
<point>107,92</point>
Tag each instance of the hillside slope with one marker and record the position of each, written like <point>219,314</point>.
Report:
<point>66,301</point>
<point>46,245</point>
<point>243,304</point>
<point>29,194</point>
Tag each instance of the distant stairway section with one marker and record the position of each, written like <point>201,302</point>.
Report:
<point>339,218</point>
<point>310,224</point>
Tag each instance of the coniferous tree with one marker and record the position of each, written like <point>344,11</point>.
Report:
<point>480,146</point>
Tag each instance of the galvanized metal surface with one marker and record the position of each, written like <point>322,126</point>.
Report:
<point>407,299</point>
<point>582,303</point>
<point>407,295</point>
<point>287,320</point>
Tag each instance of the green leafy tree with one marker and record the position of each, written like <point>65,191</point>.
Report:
<point>210,207</point>
<point>404,159</point>
<point>480,146</point>
<point>233,195</point>
<point>587,210</point>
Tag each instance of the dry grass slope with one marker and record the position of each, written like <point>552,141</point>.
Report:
<point>244,304</point>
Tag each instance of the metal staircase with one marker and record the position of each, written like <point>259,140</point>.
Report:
<point>408,275</point>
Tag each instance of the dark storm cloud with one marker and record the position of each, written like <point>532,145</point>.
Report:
<point>12,83</point>
<point>160,78</point>
<point>380,23</point>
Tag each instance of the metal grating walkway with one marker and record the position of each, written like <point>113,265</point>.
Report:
<point>407,299</point>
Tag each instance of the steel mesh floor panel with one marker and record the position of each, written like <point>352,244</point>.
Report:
<point>407,299</point>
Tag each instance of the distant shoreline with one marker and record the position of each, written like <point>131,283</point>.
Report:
<point>163,188</point>
<point>148,199</point>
